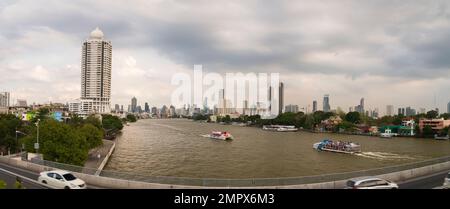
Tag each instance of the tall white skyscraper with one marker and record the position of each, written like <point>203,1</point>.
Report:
<point>326,103</point>
<point>448,107</point>
<point>96,68</point>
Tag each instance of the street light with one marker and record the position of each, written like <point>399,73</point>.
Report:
<point>17,140</point>
<point>36,145</point>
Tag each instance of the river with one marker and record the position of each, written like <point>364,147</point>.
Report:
<point>175,147</point>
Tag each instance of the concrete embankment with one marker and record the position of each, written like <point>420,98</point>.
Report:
<point>98,157</point>
<point>106,182</point>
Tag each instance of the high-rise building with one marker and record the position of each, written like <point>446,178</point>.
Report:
<point>389,110</point>
<point>291,108</point>
<point>172,111</point>
<point>281,98</point>
<point>121,108</point>
<point>117,108</point>
<point>410,112</point>
<point>96,71</point>
<point>147,108</point>
<point>314,106</point>
<point>4,99</point>
<point>448,107</point>
<point>21,103</point>
<point>96,68</point>
<point>133,105</point>
<point>422,110</point>
<point>138,109</point>
<point>326,103</point>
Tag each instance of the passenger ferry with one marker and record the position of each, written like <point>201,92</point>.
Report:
<point>337,146</point>
<point>220,135</point>
<point>279,128</point>
<point>387,134</point>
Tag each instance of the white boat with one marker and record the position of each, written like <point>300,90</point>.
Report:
<point>220,135</point>
<point>337,146</point>
<point>279,128</point>
<point>387,134</point>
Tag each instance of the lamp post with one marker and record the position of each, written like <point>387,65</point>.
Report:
<point>36,145</point>
<point>17,140</point>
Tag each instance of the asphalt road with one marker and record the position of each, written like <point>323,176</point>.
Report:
<point>9,175</point>
<point>425,182</point>
<point>11,179</point>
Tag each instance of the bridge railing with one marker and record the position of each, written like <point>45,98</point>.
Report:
<point>244,182</point>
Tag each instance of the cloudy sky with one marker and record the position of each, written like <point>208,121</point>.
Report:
<point>389,52</point>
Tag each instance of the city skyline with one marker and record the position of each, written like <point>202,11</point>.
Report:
<point>389,58</point>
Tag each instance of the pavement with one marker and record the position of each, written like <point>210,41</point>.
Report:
<point>96,157</point>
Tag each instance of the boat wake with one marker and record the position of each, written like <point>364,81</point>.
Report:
<point>384,156</point>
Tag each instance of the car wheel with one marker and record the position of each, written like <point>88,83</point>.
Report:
<point>66,187</point>
<point>44,182</point>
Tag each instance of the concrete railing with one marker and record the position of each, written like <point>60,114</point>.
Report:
<point>114,183</point>
<point>105,160</point>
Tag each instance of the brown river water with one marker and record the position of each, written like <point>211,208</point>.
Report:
<point>175,147</point>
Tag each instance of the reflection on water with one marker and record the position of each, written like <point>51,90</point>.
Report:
<point>177,148</point>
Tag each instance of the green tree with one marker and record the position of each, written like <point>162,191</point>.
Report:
<point>2,184</point>
<point>227,119</point>
<point>111,122</point>
<point>91,119</point>
<point>446,116</point>
<point>427,131</point>
<point>92,135</point>
<point>432,114</point>
<point>59,142</point>
<point>353,117</point>
<point>131,118</point>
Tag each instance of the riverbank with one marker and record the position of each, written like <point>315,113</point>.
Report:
<point>98,157</point>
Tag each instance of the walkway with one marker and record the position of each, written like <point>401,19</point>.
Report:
<point>94,160</point>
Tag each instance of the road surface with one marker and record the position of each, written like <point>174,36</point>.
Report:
<point>425,182</point>
<point>5,175</point>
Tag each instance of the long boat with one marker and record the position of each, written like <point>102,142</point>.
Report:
<point>337,146</point>
<point>279,128</point>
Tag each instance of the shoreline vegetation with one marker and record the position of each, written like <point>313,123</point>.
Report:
<point>67,141</point>
<point>352,123</point>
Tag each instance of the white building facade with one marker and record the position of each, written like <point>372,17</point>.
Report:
<point>96,67</point>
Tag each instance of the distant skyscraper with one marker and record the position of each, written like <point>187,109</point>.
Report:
<point>326,103</point>
<point>410,112</point>
<point>448,107</point>
<point>4,99</point>
<point>96,74</point>
<point>117,108</point>
<point>390,110</point>
<point>146,107</point>
<point>133,104</point>
<point>361,103</point>
<point>121,108</point>
<point>281,98</point>
<point>21,103</point>
<point>422,110</point>
<point>154,111</point>
<point>291,108</point>
<point>314,106</point>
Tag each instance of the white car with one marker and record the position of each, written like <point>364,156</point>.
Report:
<point>61,179</point>
<point>370,183</point>
<point>447,181</point>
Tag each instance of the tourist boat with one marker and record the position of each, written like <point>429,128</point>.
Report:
<point>279,128</point>
<point>437,137</point>
<point>220,135</point>
<point>337,146</point>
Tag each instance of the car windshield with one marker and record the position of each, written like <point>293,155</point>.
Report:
<point>69,177</point>
<point>448,175</point>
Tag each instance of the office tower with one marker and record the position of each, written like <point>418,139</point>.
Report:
<point>133,104</point>
<point>389,110</point>
<point>21,103</point>
<point>361,104</point>
<point>326,103</point>
<point>448,107</point>
<point>281,98</point>
<point>291,108</point>
<point>154,110</point>
<point>96,74</point>
<point>121,108</point>
<point>172,111</point>
<point>117,108</point>
<point>146,107</point>
<point>314,106</point>
<point>410,112</point>
<point>138,109</point>
<point>4,99</point>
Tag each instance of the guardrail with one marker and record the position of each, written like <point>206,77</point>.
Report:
<point>256,182</point>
